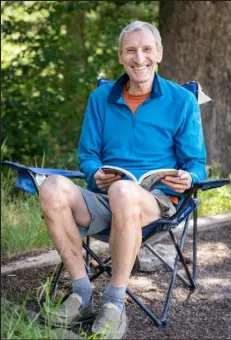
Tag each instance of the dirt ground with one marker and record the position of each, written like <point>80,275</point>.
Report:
<point>206,315</point>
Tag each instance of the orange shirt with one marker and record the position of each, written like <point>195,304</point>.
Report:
<point>134,102</point>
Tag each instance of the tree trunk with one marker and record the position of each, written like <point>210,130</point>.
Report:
<point>197,46</point>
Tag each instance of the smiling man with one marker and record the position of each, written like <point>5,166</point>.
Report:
<point>139,122</point>
<point>139,53</point>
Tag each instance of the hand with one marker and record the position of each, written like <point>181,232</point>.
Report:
<point>180,183</point>
<point>105,180</point>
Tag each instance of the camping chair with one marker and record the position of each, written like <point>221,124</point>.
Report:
<point>29,179</point>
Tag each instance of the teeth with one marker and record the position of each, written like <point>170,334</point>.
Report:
<point>140,68</point>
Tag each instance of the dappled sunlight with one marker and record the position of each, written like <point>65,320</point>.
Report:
<point>141,282</point>
<point>148,288</point>
<point>214,281</point>
<point>215,288</point>
<point>213,253</point>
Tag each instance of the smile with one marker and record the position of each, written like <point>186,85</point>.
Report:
<point>140,68</point>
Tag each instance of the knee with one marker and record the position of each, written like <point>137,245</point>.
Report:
<point>53,192</point>
<point>124,197</point>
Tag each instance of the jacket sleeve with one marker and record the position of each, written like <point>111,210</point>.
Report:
<point>189,142</point>
<point>90,142</point>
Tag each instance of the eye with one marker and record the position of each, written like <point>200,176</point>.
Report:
<point>130,50</point>
<point>147,49</point>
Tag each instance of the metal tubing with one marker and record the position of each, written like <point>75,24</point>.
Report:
<point>95,257</point>
<point>56,280</point>
<point>31,174</point>
<point>154,252</point>
<point>145,309</point>
<point>179,250</point>
<point>176,265</point>
<point>87,253</point>
<point>170,291</point>
<point>195,215</point>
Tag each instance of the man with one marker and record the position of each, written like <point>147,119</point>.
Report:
<point>140,122</point>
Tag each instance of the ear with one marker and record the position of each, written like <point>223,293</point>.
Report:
<point>120,57</point>
<point>159,54</point>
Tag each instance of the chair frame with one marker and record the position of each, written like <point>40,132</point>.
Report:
<point>168,225</point>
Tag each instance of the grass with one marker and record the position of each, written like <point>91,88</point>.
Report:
<point>23,228</point>
<point>22,225</point>
<point>19,323</point>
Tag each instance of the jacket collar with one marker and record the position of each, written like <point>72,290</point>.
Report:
<point>117,88</point>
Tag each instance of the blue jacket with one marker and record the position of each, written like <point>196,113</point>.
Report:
<point>164,132</point>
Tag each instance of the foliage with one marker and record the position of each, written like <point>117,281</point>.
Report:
<point>23,228</point>
<point>52,54</point>
<point>215,201</point>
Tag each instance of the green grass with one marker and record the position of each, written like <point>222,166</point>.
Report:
<point>23,229</point>
<point>22,225</point>
<point>215,201</point>
<point>18,323</point>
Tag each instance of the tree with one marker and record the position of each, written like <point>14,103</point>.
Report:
<point>53,53</point>
<point>197,46</point>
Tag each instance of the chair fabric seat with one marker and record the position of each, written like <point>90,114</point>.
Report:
<point>157,226</point>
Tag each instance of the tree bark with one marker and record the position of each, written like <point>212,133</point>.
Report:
<point>197,46</point>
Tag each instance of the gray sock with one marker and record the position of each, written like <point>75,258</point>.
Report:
<point>83,288</point>
<point>114,295</point>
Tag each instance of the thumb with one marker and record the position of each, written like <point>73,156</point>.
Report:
<point>182,174</point>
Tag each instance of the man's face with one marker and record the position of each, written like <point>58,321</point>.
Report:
<point>139,55</point>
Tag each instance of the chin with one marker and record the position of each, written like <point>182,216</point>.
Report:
<point>140,80</point>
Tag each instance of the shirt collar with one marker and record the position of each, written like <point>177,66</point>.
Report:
<point>117,88</point>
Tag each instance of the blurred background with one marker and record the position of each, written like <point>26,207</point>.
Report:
<point>53,53</point>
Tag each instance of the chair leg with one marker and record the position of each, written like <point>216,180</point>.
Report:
<point>179,250</point>
<point>179,257</point>
<point>168,266</point>
<point>195,232</point>
<point>53,285</point>
<point>87,253</point>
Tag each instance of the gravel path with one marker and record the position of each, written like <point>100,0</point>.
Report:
<point>206,315</point>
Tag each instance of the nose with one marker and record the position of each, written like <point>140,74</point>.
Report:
<point>139,57</point>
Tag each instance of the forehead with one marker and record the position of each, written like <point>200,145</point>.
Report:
<point>138,38</point>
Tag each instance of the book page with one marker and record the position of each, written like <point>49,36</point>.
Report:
<point>153,177</point>
<point>109,169</point>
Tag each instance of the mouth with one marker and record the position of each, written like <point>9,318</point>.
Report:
<point>140,68</point>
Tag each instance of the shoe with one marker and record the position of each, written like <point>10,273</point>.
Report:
<point>110,323</point>
<point>69,313</point>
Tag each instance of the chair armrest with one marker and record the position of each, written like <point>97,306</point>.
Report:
<point>44,171</point>
<point>210,184</point>
<point>29,178</point>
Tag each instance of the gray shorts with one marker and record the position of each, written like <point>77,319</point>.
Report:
<point>98,206</point>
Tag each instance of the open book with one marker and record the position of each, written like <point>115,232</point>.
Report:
<point>147,180</point>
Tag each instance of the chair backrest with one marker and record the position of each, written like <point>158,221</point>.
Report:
<point>192,86</point>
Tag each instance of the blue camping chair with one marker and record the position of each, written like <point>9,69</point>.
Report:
<point>29,179</point>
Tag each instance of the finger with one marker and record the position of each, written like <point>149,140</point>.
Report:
<point>112,179</point>
<point>178,183</point>
<point>175,186</point>
<point>105,186</point>
<point>184,176</point>
<point>107,176</point>
<point>105,181</point>
<point>101,176</point>
<point>102,183</point>
<point>176,180</point>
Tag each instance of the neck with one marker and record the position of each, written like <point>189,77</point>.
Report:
<point>139,88</point>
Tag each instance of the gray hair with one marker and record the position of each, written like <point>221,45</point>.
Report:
<point>139,26</point>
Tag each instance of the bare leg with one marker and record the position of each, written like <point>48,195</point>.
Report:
<point>64,208</point>
<point>132,208</point>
